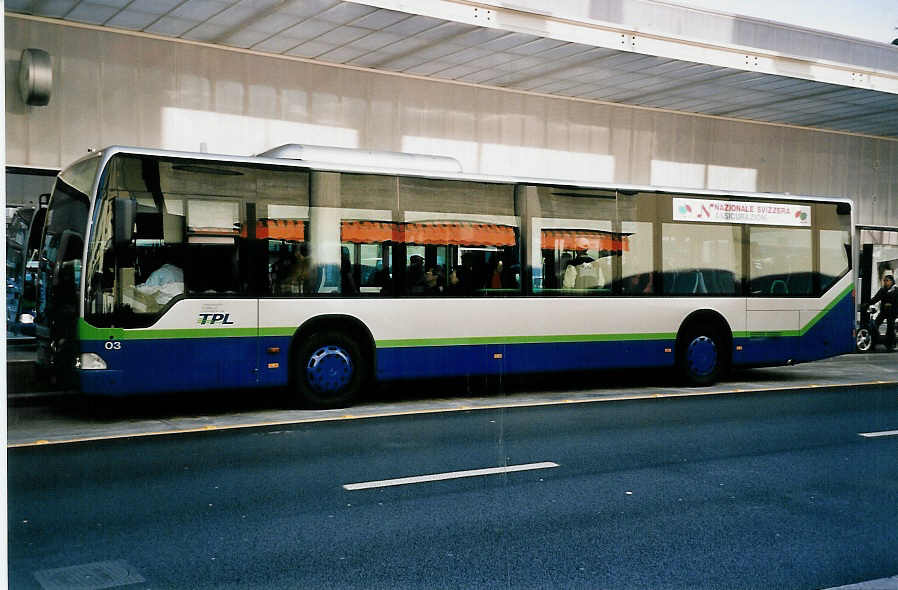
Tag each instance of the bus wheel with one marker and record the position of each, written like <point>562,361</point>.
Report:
<point>700,357</point>
<point>328,370</point>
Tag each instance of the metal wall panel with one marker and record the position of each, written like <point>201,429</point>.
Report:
<point>155,89</point>
<point>77,86</point>
<point>39,126</point>
<point>873,207</point>
<point>112,88</point>
<point>891,214</point>
<point>17,120</point>
<point>120,78</point>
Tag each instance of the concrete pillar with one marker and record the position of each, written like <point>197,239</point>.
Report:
<point>324,229</point>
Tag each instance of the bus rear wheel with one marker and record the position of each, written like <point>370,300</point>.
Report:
<point>700,358</point>
<point>328,370</point>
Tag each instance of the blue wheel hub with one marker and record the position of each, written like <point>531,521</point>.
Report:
<point>701,356</point>
<point>329,369</point>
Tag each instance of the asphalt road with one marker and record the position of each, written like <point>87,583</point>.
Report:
<point>763,490</point>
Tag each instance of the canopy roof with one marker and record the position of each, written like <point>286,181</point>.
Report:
<point>850,86</point>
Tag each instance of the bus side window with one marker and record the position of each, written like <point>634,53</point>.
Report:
<point>578,243</point>
<point>780,261</point>
<point>639,258</point>
<point>701,258</point>
<point>458,238</point>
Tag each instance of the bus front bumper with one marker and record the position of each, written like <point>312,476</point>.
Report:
<point>102,382</point>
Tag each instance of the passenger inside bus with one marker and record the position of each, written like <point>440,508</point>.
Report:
<point>638,284</point>
<point>433,281</point>
<point>293,271</point>
<point>347,279</point>
<point>162,284</point>
<point>454,285</point>
<point>414,275</point>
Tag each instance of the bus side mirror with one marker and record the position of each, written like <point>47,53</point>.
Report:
<point>124,213</point>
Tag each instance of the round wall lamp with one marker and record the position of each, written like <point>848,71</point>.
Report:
<point>35,77</point>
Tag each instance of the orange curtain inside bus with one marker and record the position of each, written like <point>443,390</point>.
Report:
<point>450,233</point>
<point>580,240</point>
<point>280,229</point>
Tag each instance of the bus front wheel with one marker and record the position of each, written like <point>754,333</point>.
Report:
<point>700,356</point>
<point>328,370</point>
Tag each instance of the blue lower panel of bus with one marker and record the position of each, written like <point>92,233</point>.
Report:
<point>446,361</point>
<point>148,366</point>
<point>830,336</point>
<point>177,364</point>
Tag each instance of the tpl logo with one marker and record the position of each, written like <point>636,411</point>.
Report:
<point>209,319</point>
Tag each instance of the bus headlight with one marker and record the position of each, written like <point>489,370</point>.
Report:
<point>26,318</point>
<point>89,361</point>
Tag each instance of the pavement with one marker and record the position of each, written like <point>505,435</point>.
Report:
<point>43,416</point>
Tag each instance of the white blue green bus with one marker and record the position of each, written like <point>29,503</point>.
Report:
<point>168,271</point>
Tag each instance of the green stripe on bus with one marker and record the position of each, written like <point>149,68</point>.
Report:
<point>268,332</point>
<point>771,334</point>
<point>556,338</point>
<point>838,299</point>
<point>88,332</point>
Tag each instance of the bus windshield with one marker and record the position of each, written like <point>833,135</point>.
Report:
<point>65,225</point>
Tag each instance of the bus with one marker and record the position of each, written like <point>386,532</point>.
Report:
<point>315,272</point>
<point>22,243</point>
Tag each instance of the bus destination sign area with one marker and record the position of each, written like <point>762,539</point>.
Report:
<point>760,213</point>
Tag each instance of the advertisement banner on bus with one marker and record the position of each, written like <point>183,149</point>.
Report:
<point>714,211</point>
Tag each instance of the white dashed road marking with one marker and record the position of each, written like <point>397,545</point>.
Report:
<point>878,434</point>
<point>450,475</point>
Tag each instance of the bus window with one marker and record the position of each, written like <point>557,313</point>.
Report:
<point>834,221</point>
<point>281,230</point>
<point>328,233</point>
<point>637,214</point>
<point>701,259</point>
<point>457,238</point>
<point>834,257</point>
<point>781,262</point>
<point>374,268</point>
<point>367,233</point>
<point>577,241</point>
<point>150,271</point>
<point>212,261</point>
<point>187,237</point>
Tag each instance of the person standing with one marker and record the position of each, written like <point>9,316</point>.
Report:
<point>887,296</point>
